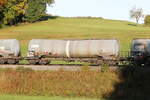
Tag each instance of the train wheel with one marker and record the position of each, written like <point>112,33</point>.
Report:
<point>32,62</point>
<point>17,62</point>
<point>99,63</point>
<point>2,61</point>
<point>43,62</point>
<point>110,63</point>
<point>11,61</point>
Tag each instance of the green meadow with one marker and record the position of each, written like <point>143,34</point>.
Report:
<point>77,28</point>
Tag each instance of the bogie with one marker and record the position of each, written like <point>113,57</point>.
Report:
<point>11,61</point>
<point>33,62</point>
<point>2,61</point>
<point>44,61</point>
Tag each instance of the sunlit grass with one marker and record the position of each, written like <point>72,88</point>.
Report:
<point>11,97</point>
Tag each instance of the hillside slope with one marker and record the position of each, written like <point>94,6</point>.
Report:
<point>77,28</point>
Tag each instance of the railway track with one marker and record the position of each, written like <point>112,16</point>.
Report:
<point>57,67</point>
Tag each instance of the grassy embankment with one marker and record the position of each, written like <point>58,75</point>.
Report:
<point>85,83</point>
<point>130,83</point>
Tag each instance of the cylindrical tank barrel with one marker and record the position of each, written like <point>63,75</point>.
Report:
<point>9,47</point>
<point>140,46</point>
<point>75,48</point>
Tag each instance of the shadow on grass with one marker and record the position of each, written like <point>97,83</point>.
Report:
<point>134,85</point>
<point>132,24</point>
<point>44,18</point>
<point>0,24</point>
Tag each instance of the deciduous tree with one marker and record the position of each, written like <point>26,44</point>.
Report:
<point>136,13</point>
<point>147,20</point>
<point>15,11</point>
<point>36,9</point>
<point>2,2</point>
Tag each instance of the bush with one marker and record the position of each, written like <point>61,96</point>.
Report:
<point>147,20</point>
<point>105,67</point>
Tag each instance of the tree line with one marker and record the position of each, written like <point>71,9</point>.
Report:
<point>16,11</point>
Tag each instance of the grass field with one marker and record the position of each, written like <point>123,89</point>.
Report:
<point>10,97</point>
<point>77,28</point>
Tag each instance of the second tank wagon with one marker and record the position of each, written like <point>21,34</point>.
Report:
<point>83,50</point>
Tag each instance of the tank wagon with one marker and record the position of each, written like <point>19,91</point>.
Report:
<point>9,51</point>
<point>140,51</point>
<point>42,51</point>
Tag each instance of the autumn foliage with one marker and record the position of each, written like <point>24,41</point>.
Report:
<point>2,2</point>
<point>17,11</point>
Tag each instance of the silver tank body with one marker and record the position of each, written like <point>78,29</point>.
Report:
<point>75,48</point>
<point>142,45</point>
<point>9,47</point>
